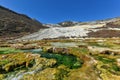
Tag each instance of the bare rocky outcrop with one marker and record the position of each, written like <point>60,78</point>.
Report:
<point>58,50</point>
<point>67,23</point>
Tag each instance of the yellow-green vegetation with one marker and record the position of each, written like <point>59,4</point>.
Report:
<point>105,74</point>
<point>22,61</point>
<point>89,59</point>
<point>107,65</point>
<point>68,60</point>
<point>79,51</point>
<point>104,59</point>
<point>107,43</point>
<point>9,50</point>
<point>10,62</point>
<point>64,58</point>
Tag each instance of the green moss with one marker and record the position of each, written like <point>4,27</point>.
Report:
<point>79,50</point>
<point>96,44</point>
<point>104,59</point>
<point>3,62</point>
<point>112,68</point>
<point>115,68</point>
<point>8,50</point>
<point>68,60</point>
<point>105,44</point>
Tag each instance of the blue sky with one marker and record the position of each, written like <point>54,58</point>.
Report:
<point>54,11</point>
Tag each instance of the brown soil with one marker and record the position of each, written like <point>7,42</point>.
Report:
<point>105,33</point>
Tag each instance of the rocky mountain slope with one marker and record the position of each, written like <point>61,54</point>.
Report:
<point>22,27</point>
<point>103,29</point>
<point>15,25</point>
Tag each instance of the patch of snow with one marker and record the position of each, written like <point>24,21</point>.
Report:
<point>114,28</point>
<point>56,32</point>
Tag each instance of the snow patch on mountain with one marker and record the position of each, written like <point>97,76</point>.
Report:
<point>56,32</point>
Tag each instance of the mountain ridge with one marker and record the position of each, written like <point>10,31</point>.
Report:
<point>14,25</point>
<point>19,26</point>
